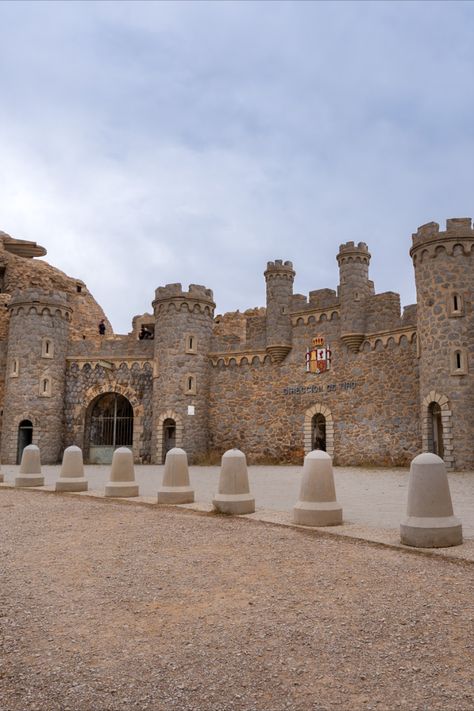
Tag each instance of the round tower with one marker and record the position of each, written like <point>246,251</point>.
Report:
<point>183,332</point>
<point>35,375</point>
<point>279,277</point>
<point>444,275</point>
<point>354,288</point>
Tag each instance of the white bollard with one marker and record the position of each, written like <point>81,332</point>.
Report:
<point>317,505</point>
<point>71,477</point>
<point>30,468</point>
<point>122,474</point>
<point>175,487</point>
<point>233,495</point>
<point>430,521</point>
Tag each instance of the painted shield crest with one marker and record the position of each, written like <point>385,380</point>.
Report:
<point>318,357</point>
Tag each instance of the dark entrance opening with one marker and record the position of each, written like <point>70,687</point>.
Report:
<point>110,426</point>
<point>25,437</point>
<point>435,430</point>
<point>318,437</point>
<point>169,436</point>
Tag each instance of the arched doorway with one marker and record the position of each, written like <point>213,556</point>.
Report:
<point>25,437</point>
<point>435,431</point>
<point>318,434</point>
<point>110,426</point>
<point>169,436</point>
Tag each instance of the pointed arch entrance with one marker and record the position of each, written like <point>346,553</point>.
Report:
<point>319,429</point>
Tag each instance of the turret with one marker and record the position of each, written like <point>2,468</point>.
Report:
<point>183,330</point>
<point>444,275</point>
<point>354,288</point>
<point>279,277</point>
<point>33,409</point>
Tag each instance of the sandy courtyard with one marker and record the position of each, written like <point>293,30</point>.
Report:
<point>109,606</point>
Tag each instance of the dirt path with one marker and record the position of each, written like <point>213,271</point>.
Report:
<point>115,607</point>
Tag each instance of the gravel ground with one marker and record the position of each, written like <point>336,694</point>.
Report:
<point>111,607</point>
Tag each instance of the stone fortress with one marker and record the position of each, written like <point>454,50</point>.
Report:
<point>341,370</point>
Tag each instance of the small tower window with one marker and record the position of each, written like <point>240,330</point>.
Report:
<point>78,288</point>
<point>455,305</point>
<point>190,343</point>
<point>190,384</point>
<point>14,368</point>
<point>45,386</point>
<point>459,362</point>
<point>47,348</point>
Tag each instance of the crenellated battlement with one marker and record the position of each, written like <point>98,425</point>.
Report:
<point>352,252</point>
<point>195,292</point>
<point>279,269</point>
<point>459,230</point>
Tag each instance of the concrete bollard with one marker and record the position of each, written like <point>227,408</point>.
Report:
<point>30,468</point>
<point>317,505</point>
<point>233,495</point>
<point>430,522</point>
<point>72,477</point>
<point>122,474</point>
<point>175,487</point>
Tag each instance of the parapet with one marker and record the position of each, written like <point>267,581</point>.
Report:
<point>350,251</point>
<point>41,300</point>
<point>196,292</point>
<point>457,228</point>
<point>196,298</point>
<point>279,268</point>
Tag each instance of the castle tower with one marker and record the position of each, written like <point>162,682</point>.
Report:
<point>444,275</point>
<point>279,277</point>
<point>354,288</point>
<point>35,376</point>
<point>183,331</point>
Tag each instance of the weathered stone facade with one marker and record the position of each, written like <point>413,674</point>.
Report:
<point>343,370</point>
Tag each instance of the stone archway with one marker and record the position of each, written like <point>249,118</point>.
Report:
<point>318,409</point>
<point>96,391</point>
<point>169,416</point>
<point>446,428</point>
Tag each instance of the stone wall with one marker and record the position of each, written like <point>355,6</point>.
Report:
<point>372,397</point>
<point>444,273</point>
<point>34,374</point>
<point>85,382</point>
<point>183,330</point>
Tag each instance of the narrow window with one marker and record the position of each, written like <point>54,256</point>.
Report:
<point>78,288</point>
<point>14,368</point>
<point>455,302</point>
<point>47,348</point>
<point>190,343</point>
<point>458,359</point>
<point>190,385</point>
<point>45,386</point>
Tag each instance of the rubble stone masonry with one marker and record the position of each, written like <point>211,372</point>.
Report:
<point>342,369</point>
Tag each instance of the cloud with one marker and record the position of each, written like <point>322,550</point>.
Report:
<point>146,143</point>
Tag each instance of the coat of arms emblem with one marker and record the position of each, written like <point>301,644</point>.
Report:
<point>318,357</point>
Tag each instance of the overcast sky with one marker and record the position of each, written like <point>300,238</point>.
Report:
<point>148,143</point>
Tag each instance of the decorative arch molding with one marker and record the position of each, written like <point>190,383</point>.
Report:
<point>167,415</point>
<point>138,411</point>
<point>446,421</point>
<point>317,409</point>
<point>299,318</point>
